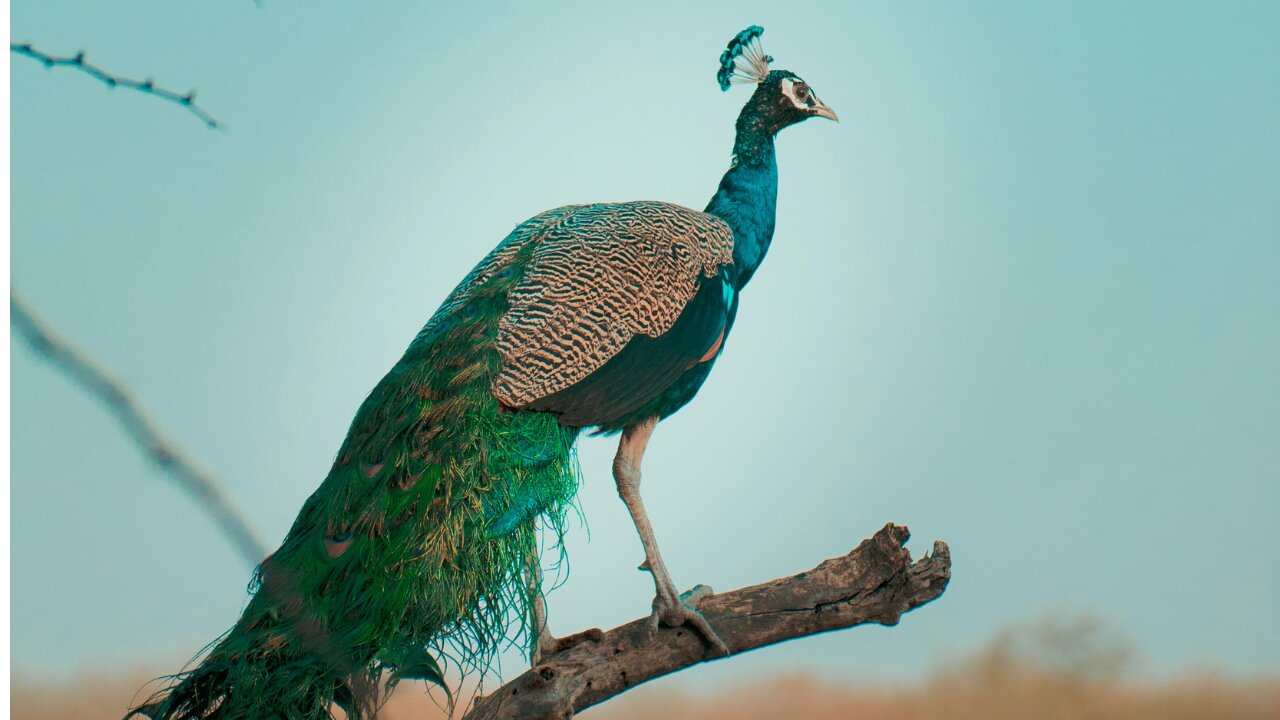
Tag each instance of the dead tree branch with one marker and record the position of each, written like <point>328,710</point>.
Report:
<point>147,86</point>
<point>875,583</point>
<point>141,429</point>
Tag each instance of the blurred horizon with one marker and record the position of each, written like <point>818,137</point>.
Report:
<point>1052,667</point>
<point>1022,298</point>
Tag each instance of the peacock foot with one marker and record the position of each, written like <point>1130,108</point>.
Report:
<point>673,611</point>
<point>549,645</point>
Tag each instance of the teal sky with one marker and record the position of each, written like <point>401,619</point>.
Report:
<point>1024,297</point>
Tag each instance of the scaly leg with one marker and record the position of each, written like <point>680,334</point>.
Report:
<point>669,607</point>
<point>547,644</point>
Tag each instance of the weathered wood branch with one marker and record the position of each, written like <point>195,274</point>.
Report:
<point>875,583</point>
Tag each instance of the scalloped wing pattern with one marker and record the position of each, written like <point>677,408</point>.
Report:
<point>599,275</point>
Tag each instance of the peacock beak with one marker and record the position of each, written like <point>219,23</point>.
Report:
<point>822,110</point>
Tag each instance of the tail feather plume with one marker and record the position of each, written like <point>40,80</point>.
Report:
<point>414,548</point>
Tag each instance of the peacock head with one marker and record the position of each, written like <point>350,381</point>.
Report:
<point>781,98</point>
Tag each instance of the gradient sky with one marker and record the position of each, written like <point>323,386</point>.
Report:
<point>1024,297</point>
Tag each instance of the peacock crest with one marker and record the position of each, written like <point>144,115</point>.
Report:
<point>743,61</point>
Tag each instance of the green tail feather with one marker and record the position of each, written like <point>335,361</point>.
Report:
<point>416,545</point>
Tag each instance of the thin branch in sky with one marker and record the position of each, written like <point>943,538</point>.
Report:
<point>147,86</point>
<point>207,492</point>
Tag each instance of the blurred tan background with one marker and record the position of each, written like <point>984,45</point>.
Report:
<point>1053,669</point>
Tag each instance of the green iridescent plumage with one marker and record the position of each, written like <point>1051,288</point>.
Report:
<point>417,543</point>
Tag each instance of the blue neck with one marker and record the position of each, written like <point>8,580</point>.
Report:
<point>747,200</point>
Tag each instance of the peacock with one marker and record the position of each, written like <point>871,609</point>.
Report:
<point>421,544</point>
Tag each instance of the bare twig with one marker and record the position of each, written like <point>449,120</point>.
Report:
<point>142,429</point>
<point>875,583</point>
<point>147,86</point>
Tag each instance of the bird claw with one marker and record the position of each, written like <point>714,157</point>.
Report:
<point>549,645</point>
<point>677,611</point>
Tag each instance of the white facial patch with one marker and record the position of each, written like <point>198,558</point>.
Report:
<point>798,92</point>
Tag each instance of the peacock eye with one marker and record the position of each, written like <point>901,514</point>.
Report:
<point>802,93</point>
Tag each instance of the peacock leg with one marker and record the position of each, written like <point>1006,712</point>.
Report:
<point>547,644</point>
<point>669,607</point>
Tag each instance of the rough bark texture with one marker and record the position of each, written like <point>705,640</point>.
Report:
<point>875,583</point>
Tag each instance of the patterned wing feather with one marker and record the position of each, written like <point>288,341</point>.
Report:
<point>601,275</point>
<point>631,386</point>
